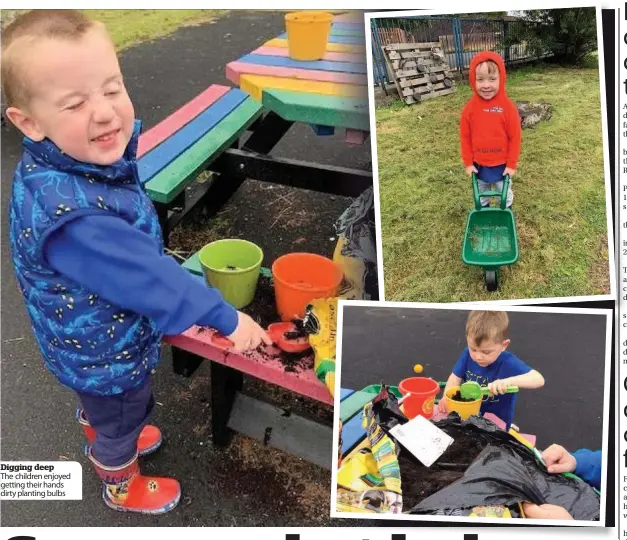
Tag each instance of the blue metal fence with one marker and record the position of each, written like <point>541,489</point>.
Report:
<point>459,38</point>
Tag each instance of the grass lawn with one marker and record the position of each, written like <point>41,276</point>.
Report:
<point>131,26</point>
<point>559,195</point>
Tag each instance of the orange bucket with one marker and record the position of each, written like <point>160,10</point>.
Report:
<point>300,278</point>
<point>422,392</point>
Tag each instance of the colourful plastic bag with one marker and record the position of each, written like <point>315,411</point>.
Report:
<point>320,322</point>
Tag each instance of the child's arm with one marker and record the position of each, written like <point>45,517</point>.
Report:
<point>588,466</point>
<point>466,141</point>
<point>121,264</point>
<point>530,380</point>
<point>514,135</point>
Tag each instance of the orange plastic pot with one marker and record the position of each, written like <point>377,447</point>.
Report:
<point>300,278</point>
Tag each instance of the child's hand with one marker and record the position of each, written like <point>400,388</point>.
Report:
<point>471,169</point>
<point>509,171</point>
<point>499,386</point>
<point>443,405</point>
<point>545,511</point>
<point>558,460</point>
<point>248,335</point>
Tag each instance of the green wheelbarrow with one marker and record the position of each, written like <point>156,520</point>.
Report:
<point>490,240</point>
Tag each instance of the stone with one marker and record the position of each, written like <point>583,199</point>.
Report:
<point>533,113</point>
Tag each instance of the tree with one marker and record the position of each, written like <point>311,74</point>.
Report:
<point>568,34</point>
<point>483,15</point>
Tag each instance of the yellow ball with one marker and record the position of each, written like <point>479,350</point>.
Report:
<point>418,368</point>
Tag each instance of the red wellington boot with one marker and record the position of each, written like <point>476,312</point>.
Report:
<point>125,489</point>
<point>149,439</point>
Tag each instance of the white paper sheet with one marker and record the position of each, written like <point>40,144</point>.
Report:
<point>423,439</point>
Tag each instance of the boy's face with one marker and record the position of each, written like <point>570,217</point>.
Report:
<point>486,83</point>
<point>486,352</point>
<point>78,98</point>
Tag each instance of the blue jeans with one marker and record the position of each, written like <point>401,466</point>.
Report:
<point>492,175</point>
<point>118,421</point>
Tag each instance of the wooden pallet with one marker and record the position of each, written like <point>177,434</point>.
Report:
<point>419,71</point>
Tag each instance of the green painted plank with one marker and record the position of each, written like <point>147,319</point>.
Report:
<point>166,185</point>
<point>343,112</point>
<point>192,265</point>
<point>353,404</point>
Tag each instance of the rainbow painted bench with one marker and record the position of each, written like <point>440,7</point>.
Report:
<point>233,410</point>
<point>172,154</point>
<point>328,94</point>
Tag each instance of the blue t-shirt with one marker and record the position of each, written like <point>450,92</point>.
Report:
<point>506,365</point>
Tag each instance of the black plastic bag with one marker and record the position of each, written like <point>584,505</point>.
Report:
<point>503,476</point>
<point>505,473</point>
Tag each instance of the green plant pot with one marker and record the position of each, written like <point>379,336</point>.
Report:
<point>232,266</point>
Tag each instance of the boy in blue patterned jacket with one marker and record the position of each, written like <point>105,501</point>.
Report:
<point>87,246</point>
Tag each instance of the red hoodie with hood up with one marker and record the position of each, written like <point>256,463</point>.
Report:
<point>490,129</point>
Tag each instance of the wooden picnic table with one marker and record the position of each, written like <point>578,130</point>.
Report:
<point>328,94</point>
<point>276,92</point>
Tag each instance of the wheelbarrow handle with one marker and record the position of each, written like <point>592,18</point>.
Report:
<point>503,194</point>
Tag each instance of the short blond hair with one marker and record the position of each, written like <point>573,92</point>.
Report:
<point>24,31</point>
<point>492,66</point>
<point>487,325</point>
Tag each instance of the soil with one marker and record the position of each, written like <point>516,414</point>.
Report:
<point>457,396</point>
<point>419,482</point>
<point>300,331</point>
<point>263,307</point>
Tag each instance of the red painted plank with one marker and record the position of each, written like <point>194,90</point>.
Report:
<point>252,363</point>
<point>329,56</point>
<point>356,136</point>
<point>164,129</point>
<point>235,69</point>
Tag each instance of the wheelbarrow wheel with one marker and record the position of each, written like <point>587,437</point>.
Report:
<point>491,280</point>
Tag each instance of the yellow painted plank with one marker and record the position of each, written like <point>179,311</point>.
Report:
<point>256,84</point>
<point>331,47</point>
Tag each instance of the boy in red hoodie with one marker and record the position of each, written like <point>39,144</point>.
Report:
<point>490,129</point>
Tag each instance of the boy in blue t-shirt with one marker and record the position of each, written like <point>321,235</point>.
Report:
<point>487,362</point>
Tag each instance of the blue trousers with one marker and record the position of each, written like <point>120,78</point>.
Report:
<point>118,421</point>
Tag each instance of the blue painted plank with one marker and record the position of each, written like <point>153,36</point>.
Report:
<point>352,433</point>
<point>338,39</point>
<point>322,65</point>
<point>355,27</point>
<point>164,154</point>
<point>345,392</point>
<point>323,131</point>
